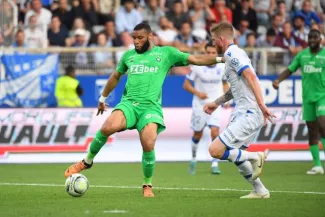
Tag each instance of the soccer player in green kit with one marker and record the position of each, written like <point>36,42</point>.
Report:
<point>312,63</point>
<point>140,108</point>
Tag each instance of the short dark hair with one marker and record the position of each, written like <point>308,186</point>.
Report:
<point>144,26</point>
<point>69,69</point>
<point>209,44</point>
<point>271,32</point>
<point>250,34</point>
<point>315,31</point>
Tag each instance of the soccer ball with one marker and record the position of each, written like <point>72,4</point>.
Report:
<point>76,185</point>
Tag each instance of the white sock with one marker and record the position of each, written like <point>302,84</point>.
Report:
<point>238,155</point>
<point>195,145</point>
<point>246,170</point>
<point>215,162</point>
<point>88,160</point>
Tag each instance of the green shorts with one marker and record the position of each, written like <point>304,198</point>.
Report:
<point>312,110</point>
<point>138,115</point>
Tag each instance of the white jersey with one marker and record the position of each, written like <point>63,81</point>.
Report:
<point>207,79</point>
<point>236,61</point>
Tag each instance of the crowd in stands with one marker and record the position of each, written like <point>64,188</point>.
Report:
<point>181,23</point>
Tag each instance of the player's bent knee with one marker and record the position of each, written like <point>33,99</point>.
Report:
<point>197,135</point>
<point>217,149</point>
<point>110,128</point>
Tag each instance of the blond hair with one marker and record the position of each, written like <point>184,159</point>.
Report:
<point>224,29</point>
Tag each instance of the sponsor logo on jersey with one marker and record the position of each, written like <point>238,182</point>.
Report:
<point>139,69</point>
<point>321,108</point>
<point>312,69</point>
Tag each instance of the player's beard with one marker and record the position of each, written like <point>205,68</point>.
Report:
<point>144,48</point>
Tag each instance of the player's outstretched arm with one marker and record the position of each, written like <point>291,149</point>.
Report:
<point>253,83</point>
<point>110,85</point>
<point>284,75</point>
<point>204,60</point>
<point>212,106</point>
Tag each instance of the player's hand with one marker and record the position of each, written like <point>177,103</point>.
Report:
<point>101,108</point>
<point>268,115</point>
<point>276,84</point>
<point>210,107</point>
<point>226,105</point>
<point>202,95</point>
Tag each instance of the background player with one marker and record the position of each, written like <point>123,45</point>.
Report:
<point>140,107</point>
<point>249,115</point>
<point>207,87</point>
<point>312,63</point>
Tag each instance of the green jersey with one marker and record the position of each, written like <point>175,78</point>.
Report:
<point>147,72</point>
<point>313,73</point>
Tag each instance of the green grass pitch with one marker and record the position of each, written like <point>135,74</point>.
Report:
<point>115,190</point>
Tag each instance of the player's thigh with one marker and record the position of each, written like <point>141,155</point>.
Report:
<point>129,113</point>
<point>148,136</point>
<point>217,148</point>
<point>214,121</point>
<point>114,123</point>
<point>242,130</point>
<point>198,120</point>
<point>309,111</point>
<point>320,113</point>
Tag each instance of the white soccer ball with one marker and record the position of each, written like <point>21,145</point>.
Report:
<point>76,185</point>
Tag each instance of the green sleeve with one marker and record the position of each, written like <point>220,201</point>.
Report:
<point>121,66</point>
<point>295,64</point>
<point>176,57</point>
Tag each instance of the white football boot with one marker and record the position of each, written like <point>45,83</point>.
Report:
<point>258,165</point>
<point>255,195</point>
<point>316,170</point>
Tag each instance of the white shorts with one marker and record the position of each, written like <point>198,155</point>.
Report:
<point>200,119</point>
<point>242,129</point>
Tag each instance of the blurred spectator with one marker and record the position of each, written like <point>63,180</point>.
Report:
<point>288,40</point>
<point>264,9</point>
<point>266,40</point>
<point>68,89</point>
<point>64,13</point>
<point>221,12</point>
<point>87,11</point>
<point>113,39</point>
<point>308,14</point>
<point>34,36</point>
<point>243,32</point>
<point>178,15</point>
<point>6,23</point>
<point>127,44</point>
<point>20,39</point>
<point>282,11</point>
<point>166,32</point>
<point>78,23</point>
<point>109,7</point>
<point>301,30</point>
<point>244,11</point>
<point>103,60</point>
<point>253,55</point>
<point>43,15</point>
<point>200,13</point>
<point>276,23</point>
<point>186,38</point>
<point>152,13</point>
<point>127,17</point>
<point>58,33</point>
<point>167,5</point>
<point>81,58</point>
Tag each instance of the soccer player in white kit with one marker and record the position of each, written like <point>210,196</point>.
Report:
<point>209,83</point>
<point>250,113</point>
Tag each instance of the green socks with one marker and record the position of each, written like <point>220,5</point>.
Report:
<point>97,143</point>
<point>315,153</point>
<point>148,165</point>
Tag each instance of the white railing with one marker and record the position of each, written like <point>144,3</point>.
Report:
<point>266,61</point>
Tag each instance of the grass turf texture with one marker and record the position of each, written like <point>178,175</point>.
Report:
<point>31,201</point>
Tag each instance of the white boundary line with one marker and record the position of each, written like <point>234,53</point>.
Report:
<point>162,188</point>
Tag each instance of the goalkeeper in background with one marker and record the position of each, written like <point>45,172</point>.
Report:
<point>140,108</point>
<point>312,63</point>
